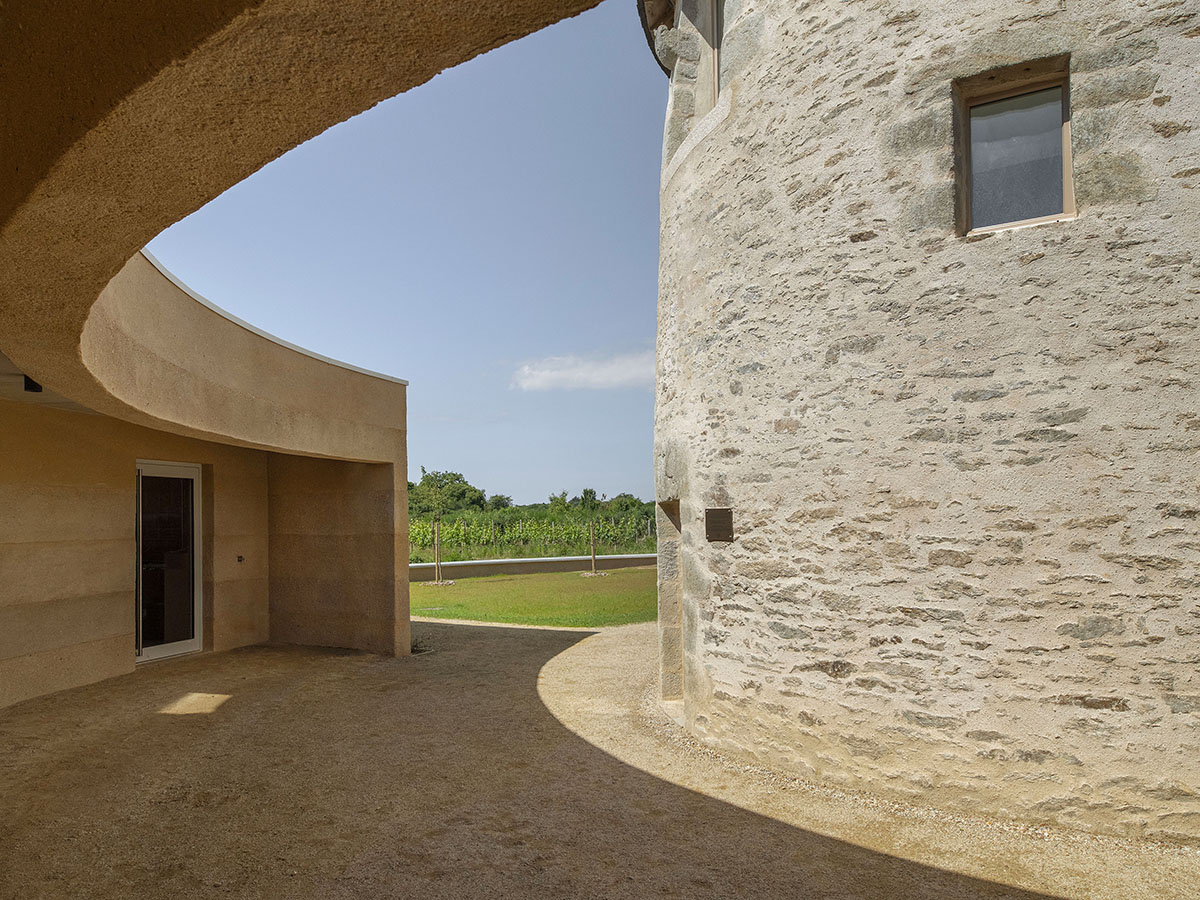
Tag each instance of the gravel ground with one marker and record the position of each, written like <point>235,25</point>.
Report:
<point>504,762</point>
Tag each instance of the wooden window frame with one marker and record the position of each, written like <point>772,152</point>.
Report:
<point>966,97</point>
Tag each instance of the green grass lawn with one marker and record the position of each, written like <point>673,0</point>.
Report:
<point>553,598</point>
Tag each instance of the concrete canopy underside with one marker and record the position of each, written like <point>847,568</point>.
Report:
<point>122,119</point>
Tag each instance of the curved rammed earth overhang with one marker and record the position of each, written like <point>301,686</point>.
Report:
<point>169,358</point>
<point>119,121</point>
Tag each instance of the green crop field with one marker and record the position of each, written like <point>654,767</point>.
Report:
<point>502,535</point>
<point>621,597</point>
<point>473,525</point>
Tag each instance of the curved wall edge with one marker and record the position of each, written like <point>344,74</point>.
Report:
<point>224,313</point>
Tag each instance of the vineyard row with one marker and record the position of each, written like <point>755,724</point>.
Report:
<point>464,533</point>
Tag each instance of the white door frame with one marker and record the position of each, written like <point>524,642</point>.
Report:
<point>190,471</point>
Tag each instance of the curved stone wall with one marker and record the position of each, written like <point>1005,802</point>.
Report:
<point>966,562</point>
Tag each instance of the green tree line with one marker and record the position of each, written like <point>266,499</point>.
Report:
<point>475,525</point>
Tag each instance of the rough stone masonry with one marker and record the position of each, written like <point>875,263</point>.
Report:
<point>962,467</point>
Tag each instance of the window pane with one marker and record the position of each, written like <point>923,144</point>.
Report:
<point>1016,158</point>
<point>168,611</point>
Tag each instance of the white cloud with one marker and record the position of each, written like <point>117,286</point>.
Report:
<point>576,372</point>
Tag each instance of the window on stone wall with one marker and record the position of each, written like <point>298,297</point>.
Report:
<point>1014,149</point>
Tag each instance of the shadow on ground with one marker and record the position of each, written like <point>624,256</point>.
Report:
<point>332,775</point>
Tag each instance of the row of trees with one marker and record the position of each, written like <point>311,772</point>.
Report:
<point>451,518</point>
<point>448,495</point>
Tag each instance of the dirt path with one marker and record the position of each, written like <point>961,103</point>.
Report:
<point>505,763</point>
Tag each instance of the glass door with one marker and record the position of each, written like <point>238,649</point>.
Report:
<point>169,614</point>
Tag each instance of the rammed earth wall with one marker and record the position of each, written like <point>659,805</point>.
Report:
<point>963,470</point>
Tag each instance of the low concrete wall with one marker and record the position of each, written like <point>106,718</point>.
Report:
<point>473,568</point>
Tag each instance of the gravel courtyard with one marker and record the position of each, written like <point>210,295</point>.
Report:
<point>504,762</point>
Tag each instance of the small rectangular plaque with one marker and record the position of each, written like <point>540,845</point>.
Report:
<point>718,524</point>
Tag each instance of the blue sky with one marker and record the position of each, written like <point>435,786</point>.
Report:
<point>491,236</point>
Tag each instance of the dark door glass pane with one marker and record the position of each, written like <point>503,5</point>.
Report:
<point>1016,158</point>
<point>167,560</point>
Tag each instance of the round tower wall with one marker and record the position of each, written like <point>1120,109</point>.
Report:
<point>962,467</point>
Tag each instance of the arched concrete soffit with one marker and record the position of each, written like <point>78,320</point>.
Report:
<point>123,117</point>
